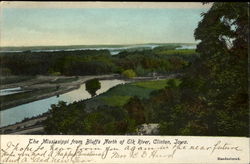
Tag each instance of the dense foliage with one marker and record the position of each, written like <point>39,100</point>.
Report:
<point>213,96</point>
<point>73,119</point>
<point>92,62</point>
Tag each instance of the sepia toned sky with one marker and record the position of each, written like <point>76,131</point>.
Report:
<point>40,26</point>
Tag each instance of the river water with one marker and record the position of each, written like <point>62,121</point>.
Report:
<point>35,108</point>
<point>186,47</point>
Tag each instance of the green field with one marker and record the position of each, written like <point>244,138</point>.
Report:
<point>116,100</point>
<point>158,84</point>
<point>177,52</point>
<point>119,95</point>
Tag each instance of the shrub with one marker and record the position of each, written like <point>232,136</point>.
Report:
<point>129,73</point>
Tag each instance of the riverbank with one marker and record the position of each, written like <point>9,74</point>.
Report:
<point>41,87</point>
<point>30,126</point>
<point>33,124</point>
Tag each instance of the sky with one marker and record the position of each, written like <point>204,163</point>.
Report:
<point>94,26</point>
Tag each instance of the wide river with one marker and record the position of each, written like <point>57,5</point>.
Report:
<point>18,113</point>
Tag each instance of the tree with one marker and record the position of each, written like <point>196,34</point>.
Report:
<point>92,86</point>
<point>214,91</point>
<point>129,73</point>
<point>135,110</point>
<point>223,34</point>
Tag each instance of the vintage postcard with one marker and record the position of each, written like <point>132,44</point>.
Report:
<point>124,82</point>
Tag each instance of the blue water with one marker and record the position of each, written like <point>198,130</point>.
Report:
<point>18,113</point>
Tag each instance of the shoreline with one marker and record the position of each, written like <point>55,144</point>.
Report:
<point>67,87</point>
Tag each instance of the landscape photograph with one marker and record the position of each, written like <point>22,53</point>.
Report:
<point>173,69</point>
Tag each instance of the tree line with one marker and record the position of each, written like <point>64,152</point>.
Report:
<point>90,62</point>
